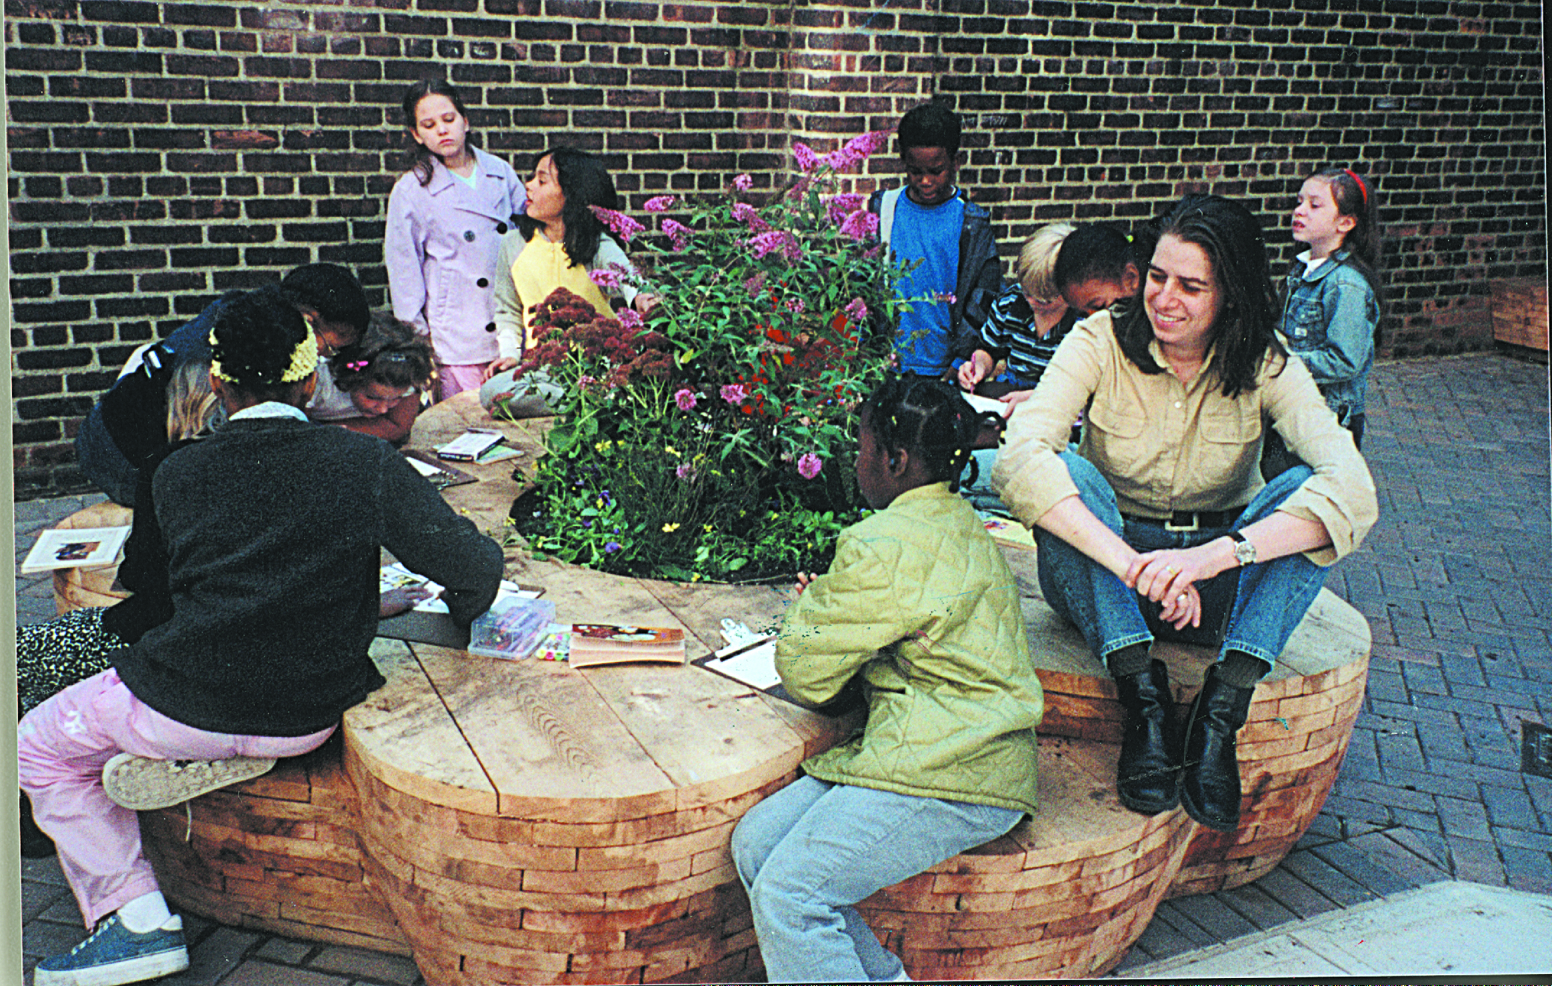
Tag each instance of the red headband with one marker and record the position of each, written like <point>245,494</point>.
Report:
<point>1362,188</point>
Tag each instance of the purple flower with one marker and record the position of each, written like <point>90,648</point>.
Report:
<point>807,160</point>
<point>777,239</point>
<point>678,233</point>
<point>734,393</point>
<point>795,305</point>
<point>684,471</point>
<point>619,223</point>
<point>860,225</point>
<point>856,310</point>
<point>840,205</point>
<point>604,277</point>
<point>755,283</point>
<point>857,150</point>
<point>628,318</point>
<point>944,297</point>
<point>749,216</point>
<point>685,398</point>
<point>659,203</point>
<point>743,183</point>
<point>611,547</point>
<point>809,465</point>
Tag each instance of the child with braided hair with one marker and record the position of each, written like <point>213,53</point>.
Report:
<point>264,644</point>
<point>922,610</point>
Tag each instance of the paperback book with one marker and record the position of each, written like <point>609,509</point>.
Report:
<point>603,643</point>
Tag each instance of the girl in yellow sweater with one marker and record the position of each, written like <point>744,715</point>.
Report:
<point>558,243</point>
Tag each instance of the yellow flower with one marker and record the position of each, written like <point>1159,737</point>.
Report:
<point>671,450</point>
<point>706,528</point>
<point>670,528</point>
<point>604,445</point>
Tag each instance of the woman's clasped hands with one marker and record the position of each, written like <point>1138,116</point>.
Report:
<point>1169,577</point>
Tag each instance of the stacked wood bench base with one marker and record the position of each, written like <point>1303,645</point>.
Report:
<point>520,822</point>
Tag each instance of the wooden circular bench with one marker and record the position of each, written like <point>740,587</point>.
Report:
<point>523,822</point>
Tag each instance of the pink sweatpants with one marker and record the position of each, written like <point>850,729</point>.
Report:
<point>457,377</point>
<point>62,746</point>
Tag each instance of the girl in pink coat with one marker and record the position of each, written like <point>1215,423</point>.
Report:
<point>446,216</point>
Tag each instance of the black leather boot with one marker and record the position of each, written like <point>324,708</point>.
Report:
<point>1210,781</point>
<point>1147,775</point>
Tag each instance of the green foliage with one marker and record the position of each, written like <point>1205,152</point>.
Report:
<point>714,439</point>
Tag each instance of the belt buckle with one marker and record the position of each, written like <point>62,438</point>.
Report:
<point>1195,525</point>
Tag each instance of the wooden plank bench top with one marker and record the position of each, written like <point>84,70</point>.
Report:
<point>527,822</point>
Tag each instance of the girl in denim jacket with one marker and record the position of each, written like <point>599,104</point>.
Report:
<point>1331,307</point>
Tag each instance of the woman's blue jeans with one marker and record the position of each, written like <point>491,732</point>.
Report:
<point>1252,609</point>
<point>810,851</point>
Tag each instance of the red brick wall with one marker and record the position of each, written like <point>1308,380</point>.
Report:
<point>162,152</point>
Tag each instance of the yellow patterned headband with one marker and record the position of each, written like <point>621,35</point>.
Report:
<point>304,360</point>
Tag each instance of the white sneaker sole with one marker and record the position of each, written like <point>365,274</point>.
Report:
<point>145,967</point>
<point>146,785</point>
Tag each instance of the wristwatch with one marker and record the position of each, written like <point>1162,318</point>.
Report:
<point>1244,551</point>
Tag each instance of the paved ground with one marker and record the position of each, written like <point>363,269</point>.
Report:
<point>1455,585</point>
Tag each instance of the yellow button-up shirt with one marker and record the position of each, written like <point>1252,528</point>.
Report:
<point>1166,445</point>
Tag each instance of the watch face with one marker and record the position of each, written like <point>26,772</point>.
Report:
<point>1245,552</point>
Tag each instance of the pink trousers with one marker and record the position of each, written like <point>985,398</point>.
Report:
<point>62,746</point>
<point>457,377</point>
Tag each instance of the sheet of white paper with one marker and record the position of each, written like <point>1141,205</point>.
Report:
<point>755,667</point>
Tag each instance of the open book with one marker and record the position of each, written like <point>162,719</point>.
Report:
<point>75,547</point>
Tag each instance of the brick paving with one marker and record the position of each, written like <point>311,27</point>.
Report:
<point>1454,584</point>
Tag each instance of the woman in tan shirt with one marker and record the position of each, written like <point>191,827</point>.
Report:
<point>1158,523</point>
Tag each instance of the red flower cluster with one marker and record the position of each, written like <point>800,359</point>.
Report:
<point>566,324</point>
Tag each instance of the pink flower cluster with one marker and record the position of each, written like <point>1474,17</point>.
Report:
<point>629,318</point>
<point>805,157</point>
<point>734,393</point>
<point>856,310</point>
<point>678,234</point>
<point>795,305</point>
<point>743,183</point>
<point>860,225</point>
<point>659,203</point>
<point>749,216</point>
<point>755,283</point>
<point>809,465</point>
<point>778,240</point>
<point>618,223</point>
<point>685,398</point>
<point>856,150</point>
<point>604,277</point>
<point>841,205</point>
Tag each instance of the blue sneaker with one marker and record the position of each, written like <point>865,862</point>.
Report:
<point>112,955</point>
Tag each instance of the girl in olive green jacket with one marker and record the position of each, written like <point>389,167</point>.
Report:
<point>922,607</point>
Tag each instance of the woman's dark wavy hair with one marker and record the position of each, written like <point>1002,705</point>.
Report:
<point>929,420</point>
<point>584,181</point>
<point>421,157</point>
<point>254,337</point>
<point>1242,335</point>
<point>390,354</point>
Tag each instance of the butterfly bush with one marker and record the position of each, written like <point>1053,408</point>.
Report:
<point>722,422</point>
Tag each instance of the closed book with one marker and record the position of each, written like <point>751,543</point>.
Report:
<point>604,643</point>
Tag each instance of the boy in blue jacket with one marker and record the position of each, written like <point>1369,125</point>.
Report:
<point>929,221</point>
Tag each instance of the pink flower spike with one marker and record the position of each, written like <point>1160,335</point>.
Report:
<point>749,216</point>
<point>795,305</point>
<point>856,310</point>
<point>804,155</point>
<point>684,471</point>
<point>685,398</point>
<point>659,203</point>
<point>840,206</point>
<point>604,278</point>
<point>678,233</point>
<point>860,225</point>
<point>743,183</point>
<point>777,240</point>
<point>619,223</point>
<point>755,283</point>
<point>629,318</point>
<point>809,465</point>
<point>734,393</point>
